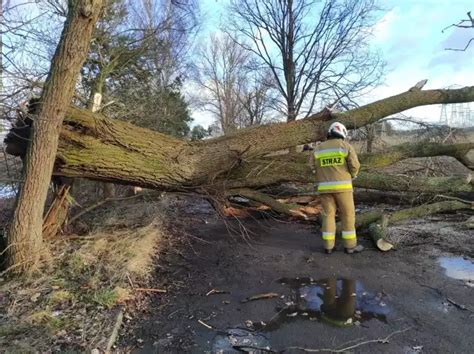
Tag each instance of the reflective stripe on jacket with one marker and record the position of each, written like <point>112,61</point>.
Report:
<point>336,163</point>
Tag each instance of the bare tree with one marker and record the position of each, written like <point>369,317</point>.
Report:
<point>469,23</point>
<point>178,23</point>
<point>236,90</point>
<point>311,59</point>
<point>222,70</point>
<point>257,96</point>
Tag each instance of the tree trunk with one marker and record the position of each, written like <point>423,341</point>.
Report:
<point>166,162</point>
<point>95,147</point>
<point>370,136</point>
<point>25,234</point>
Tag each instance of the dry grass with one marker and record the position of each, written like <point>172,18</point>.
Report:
<point>71,305</point>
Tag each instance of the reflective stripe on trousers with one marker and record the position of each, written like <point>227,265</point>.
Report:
<point>349,235</point>
<point>329,236</point>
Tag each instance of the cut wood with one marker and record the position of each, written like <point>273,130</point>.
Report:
<point>377,232</point>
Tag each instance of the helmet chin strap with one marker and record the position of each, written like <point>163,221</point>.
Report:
<point>333,135</point>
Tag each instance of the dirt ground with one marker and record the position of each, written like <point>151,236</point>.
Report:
<point>338,302</point>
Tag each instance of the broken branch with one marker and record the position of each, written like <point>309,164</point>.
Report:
<point>260,297</point>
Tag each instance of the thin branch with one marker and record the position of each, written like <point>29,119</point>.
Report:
<point>343,350</point>
<point>462,49</point>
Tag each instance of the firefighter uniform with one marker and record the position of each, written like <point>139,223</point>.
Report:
<point>335,165</point>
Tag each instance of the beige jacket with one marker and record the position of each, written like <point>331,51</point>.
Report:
<point>335,163</point>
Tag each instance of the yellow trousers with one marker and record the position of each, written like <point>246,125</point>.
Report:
<point>344,201</point>
<point>339,307</point>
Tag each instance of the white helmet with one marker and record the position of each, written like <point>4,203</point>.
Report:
<point>338,129</point>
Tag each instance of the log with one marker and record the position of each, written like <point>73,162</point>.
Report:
<point>377,232</point>
<point>460,152</point>
<point>365,219</point>
<point>420,184</point>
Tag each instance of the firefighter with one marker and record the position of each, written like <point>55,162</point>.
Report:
<point>335,164</point>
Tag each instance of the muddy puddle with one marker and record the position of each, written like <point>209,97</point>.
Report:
<point>238,340</point>
<point>458,268</point>
<point>336,302</point>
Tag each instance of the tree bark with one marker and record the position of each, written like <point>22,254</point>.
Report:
<point>389,156</point>
<point>25,234</point>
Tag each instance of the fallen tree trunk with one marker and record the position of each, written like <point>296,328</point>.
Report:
<point>364,220</point>
<point>389,156</point>
<point>402,183</point>
<point>95,147</point>
<point>266,172</point>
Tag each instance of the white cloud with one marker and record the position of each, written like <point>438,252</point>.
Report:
<point>384,27</point>
<point>413,45</point>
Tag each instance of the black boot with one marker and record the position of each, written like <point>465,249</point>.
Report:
<point>327,251</point>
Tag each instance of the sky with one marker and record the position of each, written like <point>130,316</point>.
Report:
<point>410,38</point>
<point>409,35</point>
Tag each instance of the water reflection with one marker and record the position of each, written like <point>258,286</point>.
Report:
<point>458,268</point>
<point>238,340</point>
<point>338,302</point>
